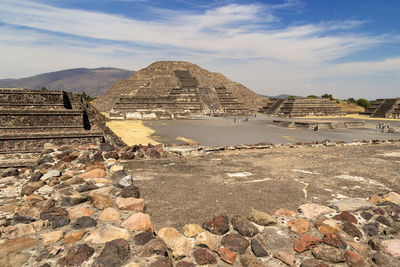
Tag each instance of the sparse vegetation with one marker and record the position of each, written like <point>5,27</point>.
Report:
<point>363,102</point>
<point>87,97</point>
<point>327,96</point>
<point>312,96</point>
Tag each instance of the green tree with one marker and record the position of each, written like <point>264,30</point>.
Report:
<point>44,88</point>
<point>351,100</point>
<point>312,96</point>
<point>363,102</point>
<point>327,96</point>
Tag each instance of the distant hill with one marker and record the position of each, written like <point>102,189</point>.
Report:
<point>94,82</point>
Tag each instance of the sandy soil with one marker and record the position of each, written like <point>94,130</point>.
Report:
<point>132,131</point>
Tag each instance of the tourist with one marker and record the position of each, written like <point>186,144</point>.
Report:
<point>234,120</point>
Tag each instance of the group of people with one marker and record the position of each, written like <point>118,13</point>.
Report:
<point>243,120</point>
<point>381,127</point>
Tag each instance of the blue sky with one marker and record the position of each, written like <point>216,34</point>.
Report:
<point>298,47</point>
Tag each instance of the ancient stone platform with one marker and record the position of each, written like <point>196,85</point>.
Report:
<point>301,107</point>
<point>320,124</point>
<point>31,118</point>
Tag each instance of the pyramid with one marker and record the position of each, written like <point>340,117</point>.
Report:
<point>384,108</point>
<point>178,88</point>
<point>301,107</point>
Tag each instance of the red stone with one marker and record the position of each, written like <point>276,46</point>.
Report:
<point>218,226</point>
<point>334,240</point>
<point>227,255</point>
<point>305,242</point>
<point>345,216</point>
<point>353,259</point>
<point>203,256</point>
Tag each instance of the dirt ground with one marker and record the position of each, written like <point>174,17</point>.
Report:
<point>194,189</point>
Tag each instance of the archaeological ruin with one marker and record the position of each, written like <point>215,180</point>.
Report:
<point>176,89</point>
<point>301,107</point>
<point>31,118</point>
<point>384,108</point>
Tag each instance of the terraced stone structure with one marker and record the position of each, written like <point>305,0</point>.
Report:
<point>301,107</point>
<point>384,108</point>
<point>31,118</point>
<point>176,89</point>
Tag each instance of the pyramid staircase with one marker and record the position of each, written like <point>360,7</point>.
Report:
<point>273,107</point>
<point>384,108</point>
<point>301,107</point>
<point>181,102</point>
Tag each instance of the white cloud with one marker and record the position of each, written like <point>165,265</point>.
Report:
<point>267,58</point>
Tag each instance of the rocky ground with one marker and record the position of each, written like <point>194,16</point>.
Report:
<point>78,206</point>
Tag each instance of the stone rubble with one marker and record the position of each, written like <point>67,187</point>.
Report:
<point>77,207</point>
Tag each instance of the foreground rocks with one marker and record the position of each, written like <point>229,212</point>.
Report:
<point>77,207</point>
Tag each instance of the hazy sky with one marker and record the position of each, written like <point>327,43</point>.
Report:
<point>349,48</point>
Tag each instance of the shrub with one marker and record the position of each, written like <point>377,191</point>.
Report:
<point>363,102</point>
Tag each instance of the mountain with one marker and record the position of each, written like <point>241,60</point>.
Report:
<point>94,82</point>
<point>159,78</point>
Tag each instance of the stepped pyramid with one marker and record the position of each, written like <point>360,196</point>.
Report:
<point>168,89</point>
<point>384,108</point>
<point>301,107</point>
<point>31,118</point>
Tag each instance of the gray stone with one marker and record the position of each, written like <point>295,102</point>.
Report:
<point>351,230</point>
<point>328,253</point>
<point>88,186</point>
<point>371,229</point>
<point>76,256</point>
<point>113,254</point>
<point>275,238</point>
<point>36,176</point>
<point>84,222</point>
<point>155,246</point>
<point>366,215</point>
<point>382,260</point>
<point>258,249</point>
<point>235,242</point>
<point>125,181</point>
<point>143,238</point>
<point>244,226</point>
<point>72,201</point>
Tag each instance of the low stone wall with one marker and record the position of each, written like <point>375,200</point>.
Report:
<point>28,97</point>
<point>44,118</point>
<point>36,142</point>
